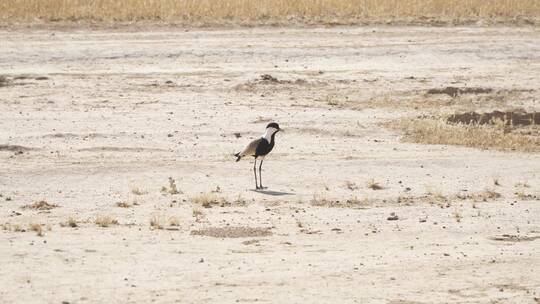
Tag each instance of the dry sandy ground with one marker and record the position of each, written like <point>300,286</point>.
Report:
<point>119,112</point>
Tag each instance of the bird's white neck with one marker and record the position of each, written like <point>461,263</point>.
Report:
<point>268,134</point>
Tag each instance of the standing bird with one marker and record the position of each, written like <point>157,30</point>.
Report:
<point>260,148</point>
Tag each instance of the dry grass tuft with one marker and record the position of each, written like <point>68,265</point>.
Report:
<point>174,221</point>
<point>268,11</point>
<point>71,222</point>
<point>105,221</point>
<point>522,185</point>
<point>37,228</point>
<point>373,185</point>
<point>496,136</point>
<point>41,205</point>
<point>160,221</point>
<point>351,185</point>
<point>156,222</point>
<point>138,191</point>
<point>4,81</point>
<point>172,189</point>
<point>124,205</point>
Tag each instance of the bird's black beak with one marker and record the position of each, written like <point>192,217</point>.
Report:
<point>279,130</point>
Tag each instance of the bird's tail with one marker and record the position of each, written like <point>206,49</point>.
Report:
<point>238,156</point>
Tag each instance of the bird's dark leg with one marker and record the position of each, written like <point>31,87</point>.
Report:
<point>260,173</point>
<point>255,172</point>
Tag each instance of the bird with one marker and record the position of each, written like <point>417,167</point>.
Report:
<point>259,148</point>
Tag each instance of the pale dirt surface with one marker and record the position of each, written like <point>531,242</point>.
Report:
<point>106,121</point>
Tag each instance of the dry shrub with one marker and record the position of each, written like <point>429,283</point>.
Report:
<point>268,11</point>
<point>437,131</point>
<point>105,221</point>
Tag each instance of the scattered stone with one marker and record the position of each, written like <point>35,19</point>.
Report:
<point>393,217</point>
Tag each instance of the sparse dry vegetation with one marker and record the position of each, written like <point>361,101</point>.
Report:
<point>138,191</point>
<point>270,11</point>
<point>320,200</point>
<point>351,185</point>
<point>209,199</point>
<point>161,221</point>
<point>172,189</point>
<point>41,205</point>
<point>37,228</point>
<point>71,222</point>
<point>482,196</point>
<point>373,185</point>
<point>156,221</point>
<point>123,205</point>
<point>496,136</point>
<point>105,221</point>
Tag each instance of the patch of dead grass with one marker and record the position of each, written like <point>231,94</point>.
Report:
<point>213,12</point>
<point>439,132</point>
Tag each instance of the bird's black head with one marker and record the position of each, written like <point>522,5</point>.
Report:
<point>273,125</point>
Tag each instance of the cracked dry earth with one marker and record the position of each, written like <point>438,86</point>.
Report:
<point>118,183</point>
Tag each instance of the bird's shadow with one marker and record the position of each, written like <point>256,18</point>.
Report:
<point>272,193</point>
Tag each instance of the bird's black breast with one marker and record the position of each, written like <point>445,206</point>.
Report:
<point>264,147</point>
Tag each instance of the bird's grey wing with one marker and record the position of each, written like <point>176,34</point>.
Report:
<point>251,148</point>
